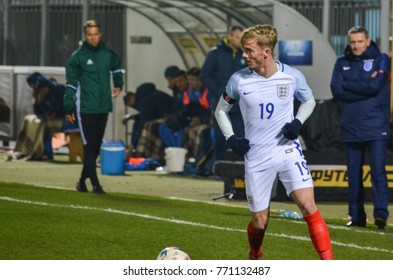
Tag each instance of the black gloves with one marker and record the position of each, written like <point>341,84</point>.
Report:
<point>291,130</point>
<point>239,146</point>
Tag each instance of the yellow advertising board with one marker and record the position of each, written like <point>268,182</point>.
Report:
<point>337,176</point>
<point>332,176</point>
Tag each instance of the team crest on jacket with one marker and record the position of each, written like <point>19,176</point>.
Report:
<point>282,91</point>
<point>368,64</point>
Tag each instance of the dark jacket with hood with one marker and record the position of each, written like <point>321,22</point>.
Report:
<point>364,100</point>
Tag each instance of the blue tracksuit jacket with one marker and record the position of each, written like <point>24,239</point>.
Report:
<point>364,101</point>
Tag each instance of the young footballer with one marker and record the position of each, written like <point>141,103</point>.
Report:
<point>266,90</point>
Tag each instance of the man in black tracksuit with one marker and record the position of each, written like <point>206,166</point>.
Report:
<point>361,84</point>
<point>88,96</point>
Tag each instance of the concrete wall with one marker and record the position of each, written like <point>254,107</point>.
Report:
<point>147,62</point>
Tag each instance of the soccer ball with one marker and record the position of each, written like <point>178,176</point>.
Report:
<point>173,253</point>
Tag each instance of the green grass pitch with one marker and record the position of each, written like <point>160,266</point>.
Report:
<point>54,224</point>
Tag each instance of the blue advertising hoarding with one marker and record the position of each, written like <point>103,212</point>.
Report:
<point>295,52</point>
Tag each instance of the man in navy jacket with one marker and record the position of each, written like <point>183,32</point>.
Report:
<point>221,62</point>
<point>361,84</point>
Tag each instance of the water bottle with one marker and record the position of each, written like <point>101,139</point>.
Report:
<point>290,214</point>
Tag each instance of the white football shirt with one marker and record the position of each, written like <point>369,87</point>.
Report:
<point>266,105</point>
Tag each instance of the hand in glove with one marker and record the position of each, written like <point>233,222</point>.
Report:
<point>239,146</point>
<point>292,130</point>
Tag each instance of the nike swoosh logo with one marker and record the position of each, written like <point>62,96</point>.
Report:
<point>304,180</point>
<point>245,93</point>
<point>346,68</point>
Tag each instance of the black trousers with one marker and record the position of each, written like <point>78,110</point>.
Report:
<point>92,128</point>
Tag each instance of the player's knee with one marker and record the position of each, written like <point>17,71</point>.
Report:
<point>308,208</point>
<point>260,223</point>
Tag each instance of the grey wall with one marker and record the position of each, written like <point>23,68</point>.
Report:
<point>147,62</point>
<point>293,26</point>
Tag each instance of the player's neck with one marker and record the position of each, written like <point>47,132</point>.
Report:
<point>268,70</point>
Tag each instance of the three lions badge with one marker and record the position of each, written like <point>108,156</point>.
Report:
<point>282,91</point>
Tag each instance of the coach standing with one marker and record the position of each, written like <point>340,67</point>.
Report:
<point>360,82</point>
<point>221,62</point>
<point>88,97</point>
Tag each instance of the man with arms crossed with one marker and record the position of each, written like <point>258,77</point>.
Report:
<point>361,85</point>
<point>265,92</point>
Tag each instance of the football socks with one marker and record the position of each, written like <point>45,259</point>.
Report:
<point>319,234</point>
<point>255,238</point>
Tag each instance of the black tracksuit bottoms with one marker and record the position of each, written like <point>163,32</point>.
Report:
<point>92,128</point>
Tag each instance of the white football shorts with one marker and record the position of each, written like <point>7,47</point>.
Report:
<point>291,170</point>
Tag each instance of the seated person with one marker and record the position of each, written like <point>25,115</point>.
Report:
<point>48,107</point>
<point>150,103</point>
<point>150,144</point>
<point>32,81</point>
<point>182,129</point>
<point>35,139</point>
<point>197,94</point>
<point>171,132</point>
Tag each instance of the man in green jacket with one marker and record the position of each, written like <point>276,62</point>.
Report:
<point>88,97</point>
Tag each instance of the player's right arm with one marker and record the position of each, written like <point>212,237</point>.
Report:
<point>239,146</point>
<point>224,122</point>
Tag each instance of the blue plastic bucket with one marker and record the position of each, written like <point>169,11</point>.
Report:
<point>112,158</point>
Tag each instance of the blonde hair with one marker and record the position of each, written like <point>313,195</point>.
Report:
<point>90,23</point>
<point>265,34</point>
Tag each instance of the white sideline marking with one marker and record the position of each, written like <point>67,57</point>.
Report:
<point>359,230</point>
<point>109,210</point>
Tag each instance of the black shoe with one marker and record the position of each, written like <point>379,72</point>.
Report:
<point>380,223</point>
<point>81,187</point>
<point>98,190</point>
<point>355,224</point>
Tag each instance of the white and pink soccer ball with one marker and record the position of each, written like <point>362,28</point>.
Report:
<point>173,253</point>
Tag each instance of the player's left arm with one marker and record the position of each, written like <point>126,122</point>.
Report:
<point>304,94</point>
